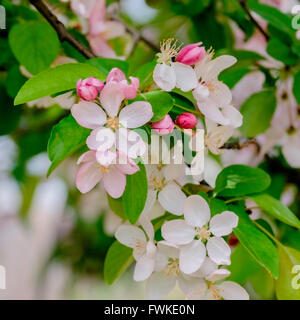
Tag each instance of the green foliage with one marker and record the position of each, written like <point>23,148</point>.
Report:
<point>116,205</point>
<point>66,138</point>
<point>296,86</point>
<point>34,44</point>
<point>257,113</point>
<point>55,80</point>
<point>135,194</point>
<point>104,65</point>
<point>240,180</point>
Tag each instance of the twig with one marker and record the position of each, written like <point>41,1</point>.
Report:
<point>60,29</point>
<point>240,145</point>
<point>258,26</point>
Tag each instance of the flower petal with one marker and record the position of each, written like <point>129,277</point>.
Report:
<point>223,223</point>
<point>218,274</point>
<point>114,182</point>
<point>232,291</point>
<point>164,76</point>
<point>143,268</point>
<point>159,285</point>
<point>88,175</point>
<point>172,198</point>
<point>218,250</point>
<point>106,157</point>
<point>101,139</point>
<point>196,211</point>
<point>130,236</point>
<point>89,156</point>
<point>178,232</point>
<point>192,256</point>
<point>186,79</point>
<point>234,115</point>
<point>136,114</point>
<point>88,114</point>
<point>111,98</point>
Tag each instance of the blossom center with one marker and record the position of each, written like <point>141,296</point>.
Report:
<point>113,123</point>
<point>203,233</point>
<point>169,49</point>
<point>104,169</point>
<point>140,246</point>
<point>215,292</point>
<point>173,267</point>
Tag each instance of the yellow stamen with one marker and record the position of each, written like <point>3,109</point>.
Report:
<point>169,49</point>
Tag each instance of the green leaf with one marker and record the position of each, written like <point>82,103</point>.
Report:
<point>287,285</point>
<point>161,103</point>
<point>55,80</point>
<point>145,74</point>
<point>258,245</point>
<point>135,194</point>
<point>296,87</point>
<point>34,44</point>
<point>257,113</point>
<point>14,81</point>
<point>104,65</point>
<point>117,260</point>
<point>232,77</point>
<point>66,138</point>
<point>276,209</point>
<point>240,180</point>
<point>282,52</point>
<point>116,205</point>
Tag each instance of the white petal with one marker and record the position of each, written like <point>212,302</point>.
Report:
<point>130,236</point>
<point>291,150</point>
<point>159,285</point>
<point>233,114</point>
<point>130,143</point>
<point>218,275</point>
<point>208,267</point>
<point>136,114</point>
<point>106,157</point>
<point>187,283</point>
<point>177,232</point>
<point>201,93</point>
<point>199,293</point>
<point>164,76</point>
<point>218,250</point>
<point>221,94</point>
<point>223,223</point>
<point>219,64</point>
<point>147,226</point>
<point>196,211</point>
<point>191,256</point>
<point>232,291</point>
<point>172,198</point>
<point>143,268</point>
<point>186,79</point>
<point>211,110</point>
<point>88,114</point>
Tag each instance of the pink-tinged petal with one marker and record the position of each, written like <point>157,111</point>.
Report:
<point>101,139</point>
<point>106,157</point>
<point>192,256</point>
<point>130,143</point>
<point>92,81</point>
<point>89,156</point>
<point>178,232</point>
<point>136,114</point>
<point>88,175</point>
<point>88,114</point>
<point>163,126</point>
<point>113,29</point>
<point>223,223</point>
<point>126,165</point>
<point>100,47</point>
<point>196,211</point>
<point>96,20</point>
<point>115,75</point>
<point>83,7</point>
<point>111,98</point>
<point>130,90</point>
<point>114,182</point>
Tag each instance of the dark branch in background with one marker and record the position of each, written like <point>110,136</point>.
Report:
<point>240,145</point>
<point>60,29</point>
<point>258,26</point>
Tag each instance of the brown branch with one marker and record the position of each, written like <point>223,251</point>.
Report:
<point>60,29</point>
<point>257,25</point>
<point>240,145</point>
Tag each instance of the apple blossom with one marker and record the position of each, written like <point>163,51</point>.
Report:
<point>191,54</point>
<point>89,88</point>
<point>186,120</point>
<point>163,126</point>
<point>196,229</point>
<point>168,74</point>
<point>113,176</point>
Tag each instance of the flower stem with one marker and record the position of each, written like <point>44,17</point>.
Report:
<point>189,110</point>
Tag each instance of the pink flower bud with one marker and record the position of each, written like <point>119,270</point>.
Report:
<point>186,120</point>
<point>191,54</point>
<point>88,89</point>
<point>164,126</point>
<point>115,75</point>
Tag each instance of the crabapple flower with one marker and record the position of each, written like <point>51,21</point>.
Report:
<point>197,229</point>
<point>186,120</point>
<point>291,150</point>
<point>113,177</point>
<point>191,54</point>
<point>144,251</point>
<point>167,273</point>
<point>163,126</point>
<point>210,286</point>
<point>130,90</point>
<point>168,74</point>
<point>89,88</point>
<point>213,96</point>
<point>111,127</point>
<point>101,30</point>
